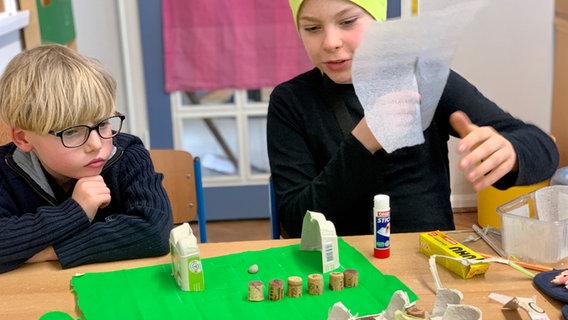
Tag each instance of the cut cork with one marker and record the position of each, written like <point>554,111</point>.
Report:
<point>294,287</point>
<point>315,284</point>
<point>351,278</point>
<point>336,281</point>
<point>255,290</point>
<point>275,290</point>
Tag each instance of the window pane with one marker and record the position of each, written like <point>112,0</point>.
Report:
<point>258,154</point>
<point>207,97</point>
<point>215,142</point>
<point>258,95</point>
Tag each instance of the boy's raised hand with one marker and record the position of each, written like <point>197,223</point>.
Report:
<point>91,193</point>
<point>487,155</point>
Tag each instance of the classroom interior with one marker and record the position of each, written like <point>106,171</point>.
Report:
<point>515,53</point>
<point>525,72</point>
<point>260,229</point>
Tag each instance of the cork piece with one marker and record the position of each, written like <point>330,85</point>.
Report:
<point>351,278</point>
<point>275,290</point>
<point>294,287</point>
<point>315,284</point>
<point>336,281</point>
<point>255,290</point>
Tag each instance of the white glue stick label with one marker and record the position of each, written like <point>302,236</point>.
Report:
<point>381,215</point>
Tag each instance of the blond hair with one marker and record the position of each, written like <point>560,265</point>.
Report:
<point>52,87</point>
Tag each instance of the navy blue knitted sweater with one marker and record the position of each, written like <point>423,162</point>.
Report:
<point>136,223</point>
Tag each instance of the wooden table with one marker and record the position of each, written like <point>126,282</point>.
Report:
<point>34,289</point>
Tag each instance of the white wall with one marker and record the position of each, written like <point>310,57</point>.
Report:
<point>105,30</point>
<point>508,54</point>
<point>108,30</point>
<point>11,23</point>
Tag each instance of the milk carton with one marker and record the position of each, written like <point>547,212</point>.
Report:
<point>186,261</point>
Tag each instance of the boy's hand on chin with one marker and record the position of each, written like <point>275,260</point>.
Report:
<point>91,193</point>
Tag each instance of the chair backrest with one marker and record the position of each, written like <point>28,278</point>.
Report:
<point>182,181</point>
<point>274,222</point>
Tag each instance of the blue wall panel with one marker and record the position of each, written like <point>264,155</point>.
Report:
<point>157,99</point>
<point>234,203</point>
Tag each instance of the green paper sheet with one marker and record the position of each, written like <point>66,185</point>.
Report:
<point>152,293</point>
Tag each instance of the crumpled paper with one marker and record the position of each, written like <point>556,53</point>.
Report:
<point>448,307</point>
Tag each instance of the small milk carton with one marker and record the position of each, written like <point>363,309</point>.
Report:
<point>186,261</point>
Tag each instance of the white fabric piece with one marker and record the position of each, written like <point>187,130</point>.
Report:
<point>414,55</point>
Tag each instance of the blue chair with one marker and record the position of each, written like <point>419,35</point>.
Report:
<point>274,223</point>
<point>182,181</point>
<point>200,200</point>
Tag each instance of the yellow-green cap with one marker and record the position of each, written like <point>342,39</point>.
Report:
<point>376,8</point>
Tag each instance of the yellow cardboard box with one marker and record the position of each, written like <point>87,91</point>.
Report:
<point>436,242</point>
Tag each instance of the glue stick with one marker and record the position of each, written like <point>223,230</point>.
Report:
<point>381,219</point>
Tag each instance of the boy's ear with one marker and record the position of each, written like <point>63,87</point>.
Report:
<point>20,140</point>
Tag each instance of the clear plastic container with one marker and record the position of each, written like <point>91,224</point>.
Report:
<point>560,177</point>
<point>534,226</point>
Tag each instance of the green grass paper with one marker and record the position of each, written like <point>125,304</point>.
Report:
<point>152,293</point>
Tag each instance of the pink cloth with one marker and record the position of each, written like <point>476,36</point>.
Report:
<point>224,44</point>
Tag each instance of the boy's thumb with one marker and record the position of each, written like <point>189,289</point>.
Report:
<point>461,123</point>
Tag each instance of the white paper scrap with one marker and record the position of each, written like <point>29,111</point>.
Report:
<point>525,303</point>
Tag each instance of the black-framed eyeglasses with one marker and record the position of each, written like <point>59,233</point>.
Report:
<point>76,136</point>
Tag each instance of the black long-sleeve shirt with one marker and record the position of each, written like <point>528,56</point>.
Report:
<point>314,167</point>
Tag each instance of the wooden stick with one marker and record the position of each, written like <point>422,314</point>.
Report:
<point>536,267</point>
<point>488,240</point>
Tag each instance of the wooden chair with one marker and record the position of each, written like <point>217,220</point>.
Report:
<point>182,181</point>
